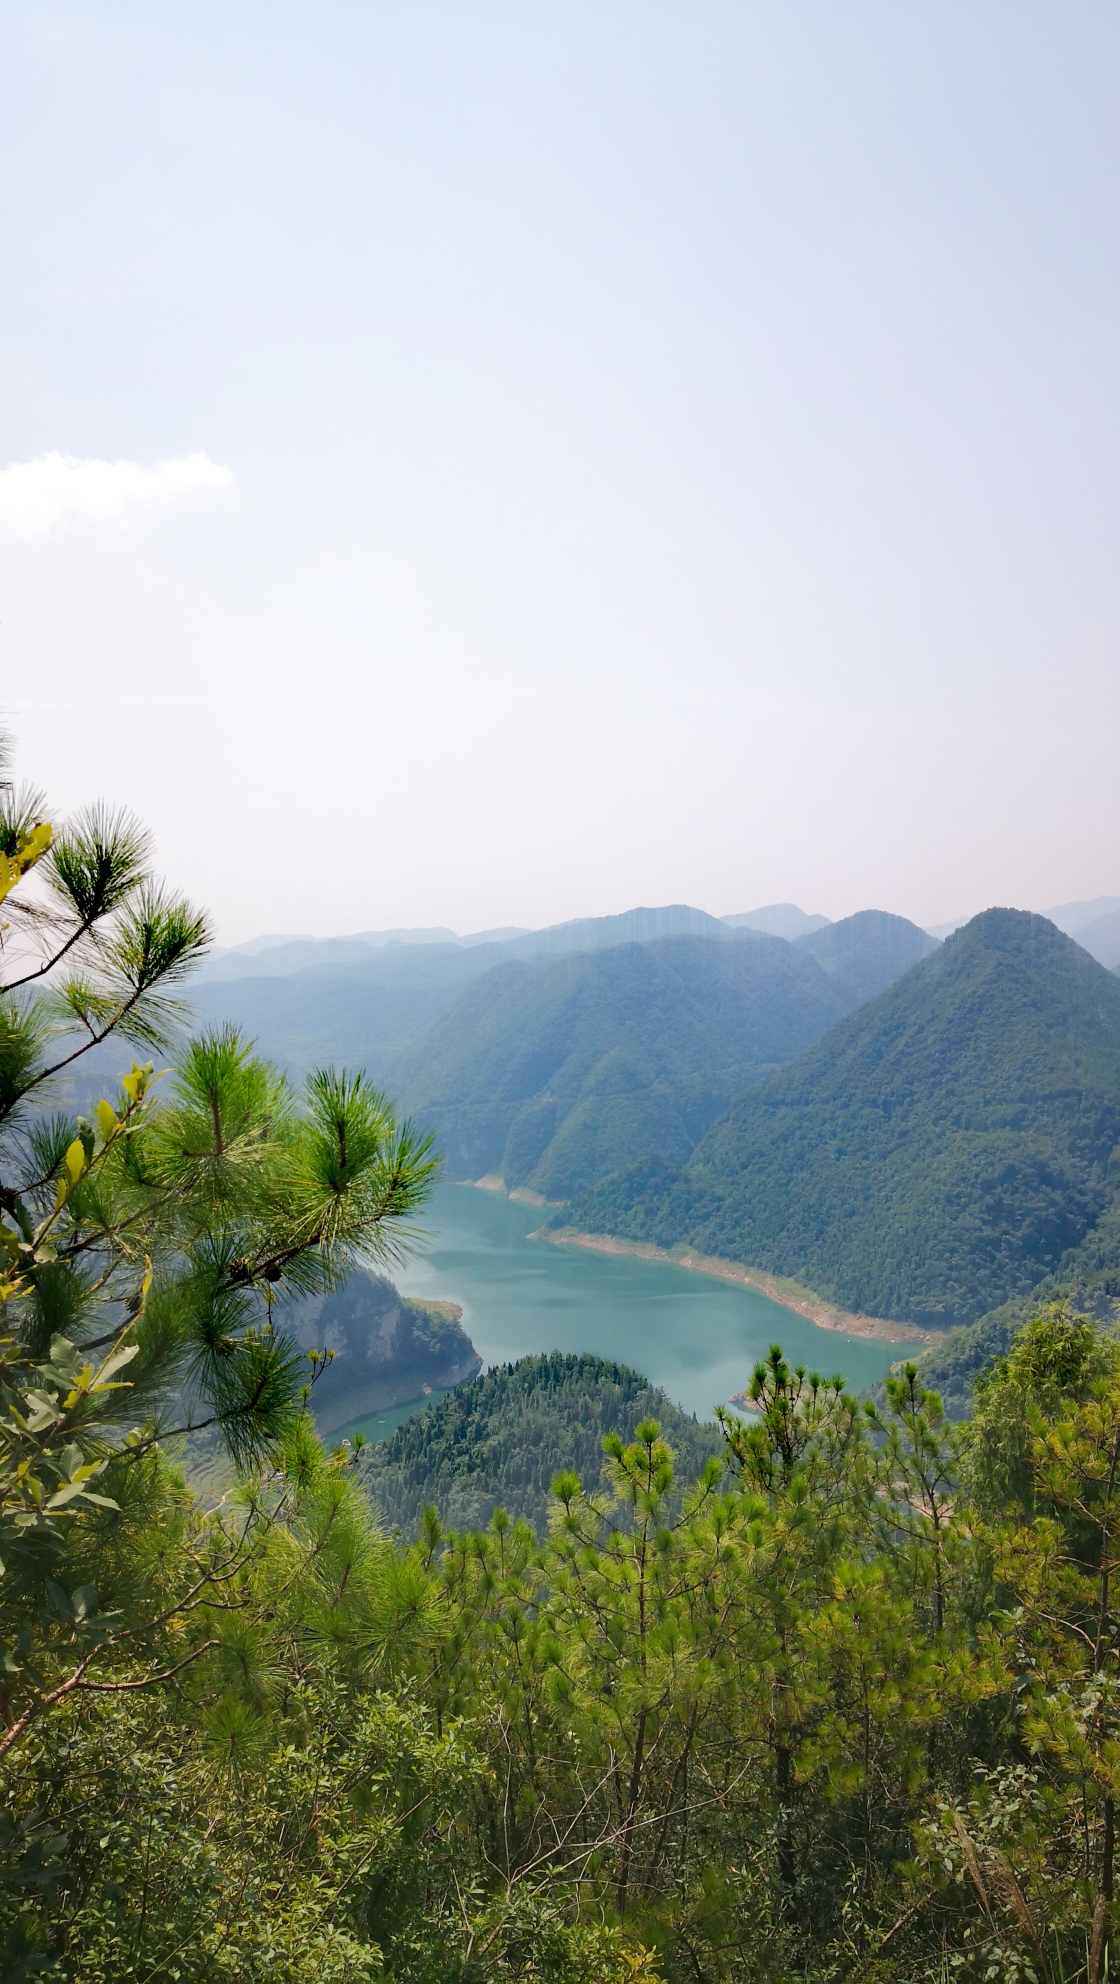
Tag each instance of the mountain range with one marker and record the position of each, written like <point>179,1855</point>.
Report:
<point>1095,924</point>
<point>918,1130</point>
<point>549,1076</point>
<point>934,1154</point>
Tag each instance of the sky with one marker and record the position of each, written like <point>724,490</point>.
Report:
<point>479,464</point>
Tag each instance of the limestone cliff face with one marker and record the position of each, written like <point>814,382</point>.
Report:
<point>387,1348</point>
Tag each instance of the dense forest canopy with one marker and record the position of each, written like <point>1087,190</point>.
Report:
<point>552,1076</point>
<point>500,1441</point>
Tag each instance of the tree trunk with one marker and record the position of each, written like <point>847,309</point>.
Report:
<point>631,1810</point>
<point>783,1784</point>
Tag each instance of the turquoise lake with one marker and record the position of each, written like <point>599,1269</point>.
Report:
<point>695,1335</point>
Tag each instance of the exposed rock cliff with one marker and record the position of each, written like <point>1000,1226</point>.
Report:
<point>387,1347</point>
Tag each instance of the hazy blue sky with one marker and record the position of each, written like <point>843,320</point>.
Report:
<point>671,452</point>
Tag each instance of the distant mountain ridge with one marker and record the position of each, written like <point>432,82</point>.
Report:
<point>551,1075</point>
<point>281,956</point>
<point>868,951</point>
<point>1101,938</point>
<point>778,919</point>
<point>1074,917</point>
<point>937,1152</point>
<point>361,1001</point>
<point>1094,925</point>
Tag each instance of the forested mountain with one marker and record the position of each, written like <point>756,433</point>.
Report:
<point>501,1440</point>
<point>281,957</point>
<point>346,999</point>
<point>934,1155</point>
<point>868,951</point>
<point>555,1076</point>
<point>605,933</point>
<point>552,1078</point>
<point>373,1004</point>
<point>845,1707</point>
<point>1086,1283</point>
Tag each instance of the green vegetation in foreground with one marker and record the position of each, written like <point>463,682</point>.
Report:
<point>936,1154</point>
<point>843,1710</point>
<point>500,1440</point>
<point>553,1075</point>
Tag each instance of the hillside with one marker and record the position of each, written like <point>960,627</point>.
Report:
<point>1088,1282</point>
<point>501,1439</point>
<point>363,1001</point>
<point>388,1348</point>
<point>555,1076</point>
<point>937,1153</point>
<point>358,1011</point>
<point>552,1078</point>
<point>868,951</point>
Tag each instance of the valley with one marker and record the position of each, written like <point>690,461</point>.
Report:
<point>878,1135</point>
<point>697,1336</point>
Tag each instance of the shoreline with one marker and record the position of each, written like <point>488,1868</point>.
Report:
<point>788,1294</point>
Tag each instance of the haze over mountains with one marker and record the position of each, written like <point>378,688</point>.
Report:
<point>937,1151</point>
<point>1095,925</point>
<point>363,999</point>
<point>915,1129</point>
<point>552,1075</point>
<point>555,1056</point>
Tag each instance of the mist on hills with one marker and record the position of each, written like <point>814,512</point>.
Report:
<point>554,1075</point>
<point>934,1154</point>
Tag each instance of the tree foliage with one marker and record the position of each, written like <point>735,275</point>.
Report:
<point>498,1441</point>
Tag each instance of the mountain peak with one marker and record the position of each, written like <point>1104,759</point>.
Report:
<point>937,1152</point>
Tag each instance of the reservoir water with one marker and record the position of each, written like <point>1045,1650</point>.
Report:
<point>694,1334</point>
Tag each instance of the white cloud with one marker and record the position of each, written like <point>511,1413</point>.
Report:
<point>55,489</point>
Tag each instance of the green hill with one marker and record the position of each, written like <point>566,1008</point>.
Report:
<point>1088,1282</point>
<point>868,951</point>
<point>936,1154</point>
<point>555,1075</point>
<point>502,1438</point>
